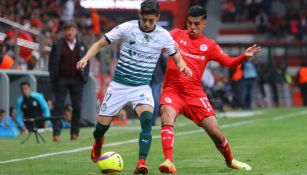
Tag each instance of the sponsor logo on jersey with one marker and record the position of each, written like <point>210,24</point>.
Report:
<point>198,57</point>
<point>168,100</point>
<point>183,42</point>
<point>203,47</point>
<point>34,103</point>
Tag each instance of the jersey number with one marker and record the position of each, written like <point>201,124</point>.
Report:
<point>206,103</point>
<point>107,96</point>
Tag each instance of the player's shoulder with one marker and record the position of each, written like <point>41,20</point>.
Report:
<point>160,29</point>
<point>37,95</point>
<point>177,31</point>
<point>128,24</point>
<point>209,41</point>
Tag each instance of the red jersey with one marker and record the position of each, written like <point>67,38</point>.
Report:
<point>196,53</point>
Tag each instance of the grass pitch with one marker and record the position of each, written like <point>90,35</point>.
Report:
<point>272,141</point>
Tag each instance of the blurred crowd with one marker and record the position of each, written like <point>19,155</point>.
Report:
<point>47,18</point>
<point>277,18</point>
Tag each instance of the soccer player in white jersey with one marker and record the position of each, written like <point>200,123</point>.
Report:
<point>143,41</point>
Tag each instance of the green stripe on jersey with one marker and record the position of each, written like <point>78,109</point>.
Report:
<point>130,82</point>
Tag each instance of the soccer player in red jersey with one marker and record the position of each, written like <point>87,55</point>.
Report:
<point>185,94</point>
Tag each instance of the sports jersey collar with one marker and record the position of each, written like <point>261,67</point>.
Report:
<point>146,31</point>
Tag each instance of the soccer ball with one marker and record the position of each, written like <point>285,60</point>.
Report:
<point>110,163</point>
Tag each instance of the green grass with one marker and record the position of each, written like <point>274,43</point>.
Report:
<point>271,147</point>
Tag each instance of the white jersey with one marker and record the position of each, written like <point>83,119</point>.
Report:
<point>140,52</point>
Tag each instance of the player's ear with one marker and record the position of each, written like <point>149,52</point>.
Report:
<point>158,17</point>
<point>205,23</point>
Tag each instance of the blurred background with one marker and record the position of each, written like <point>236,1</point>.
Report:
<point>28,28</point>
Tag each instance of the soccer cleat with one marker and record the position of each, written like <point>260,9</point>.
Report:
<point>167,167</point>
<point>56,138</point>
<point>96,151</point>
<point>141,167</point>
<point>74,137</point>
<point>235,164</point>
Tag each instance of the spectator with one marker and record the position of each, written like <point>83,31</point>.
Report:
<point>262,22</point>
<point>236,77</point>
<point>302,81</point>
<point>68,11</point>
<point>65,78</point>
<point>8,127</point>
<point>12,114</point>
<point>31,105</point>
<point>249,80</point>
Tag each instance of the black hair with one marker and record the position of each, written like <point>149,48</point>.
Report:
<point>150,7</point>
<point>70,24</point>
<point>24,83</point>
<point>197,11</point>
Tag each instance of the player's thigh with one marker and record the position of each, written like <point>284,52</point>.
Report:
<point>211,126</point>
<point>114,100</point>
<point>197,109</point>
<point>142,99</point>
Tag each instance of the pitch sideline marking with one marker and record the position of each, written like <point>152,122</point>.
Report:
<point>154,137</point>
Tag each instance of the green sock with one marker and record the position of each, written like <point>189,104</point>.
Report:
<point>145,135</point>
<point>99,131</point>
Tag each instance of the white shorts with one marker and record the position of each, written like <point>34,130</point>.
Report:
<point>118,95</point>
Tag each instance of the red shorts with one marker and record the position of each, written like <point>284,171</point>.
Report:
<point>195,108</point>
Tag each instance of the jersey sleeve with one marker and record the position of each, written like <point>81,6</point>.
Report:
<point>217,54</point>
<point>169,44</point>
<point>19,117</point>
<point>117,32</point>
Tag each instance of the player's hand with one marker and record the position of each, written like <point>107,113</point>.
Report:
<point>81,64</point>
<point>252,51</point>
<point>185,70</point>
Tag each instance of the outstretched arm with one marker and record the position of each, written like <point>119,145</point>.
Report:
<point>92,52</point>
<point>232,62</point>
<point>180,63</point>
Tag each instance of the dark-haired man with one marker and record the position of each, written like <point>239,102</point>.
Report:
<point>143,41</point>
<point>185,95</point>
<point>65,78</point>
<point>31,105</point>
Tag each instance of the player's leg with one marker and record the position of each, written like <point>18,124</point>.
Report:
<point>144,112</point>
<point>60,91</point>
<point>168,116</point>
<point>114,99</point>
<point>211,126</point>
<point>103,124</point>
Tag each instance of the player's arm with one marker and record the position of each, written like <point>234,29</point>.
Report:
<point>19,117</point>
<point>180,63</point>
<point>93,50</point>
<point>233,62</point>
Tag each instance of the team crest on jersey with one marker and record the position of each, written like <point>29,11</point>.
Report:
<point>168,100</point>
<point>34,103</point>
<point>203,47</point>
<point>145,40</point>
<point>103,107</point>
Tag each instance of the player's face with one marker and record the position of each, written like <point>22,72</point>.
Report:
<point>195,26</point>
<point>25,90</point>
<point>148,22</point>
<point>70,33</point>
